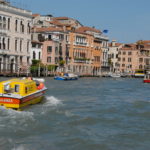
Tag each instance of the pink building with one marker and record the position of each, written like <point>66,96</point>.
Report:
<point>132,57</point>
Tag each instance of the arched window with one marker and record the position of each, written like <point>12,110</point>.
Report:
<point>8,24</point>
<point>16,25</point>
<point>16,45</point>
<point>8,44</point>
<point>4,46</point>
<point>28,28</point>
<point>4,23</point>
<point>4,19</point>
<point>39,55</point>
<point>34,55</point>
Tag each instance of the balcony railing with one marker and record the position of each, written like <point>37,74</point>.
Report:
<point>78,43</point>
<point>82,60</point>
<point>2,31</point>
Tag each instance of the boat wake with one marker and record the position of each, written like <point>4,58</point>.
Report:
<point>50,104</point>
<point>52,101</point>
<point>10,118</point>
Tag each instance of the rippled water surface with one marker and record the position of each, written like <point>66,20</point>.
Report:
<point>88,114</point>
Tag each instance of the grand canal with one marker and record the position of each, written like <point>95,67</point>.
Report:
<point>88,114</point>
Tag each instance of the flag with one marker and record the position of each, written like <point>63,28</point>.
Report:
<point>105,31</point>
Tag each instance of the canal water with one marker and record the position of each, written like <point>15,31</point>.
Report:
<point>88,114</point>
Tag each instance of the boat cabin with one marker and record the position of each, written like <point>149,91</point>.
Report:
<point>17,86</point>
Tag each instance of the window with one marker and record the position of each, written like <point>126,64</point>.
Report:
<point>20,45</point>
<point>34,55</point>
<point>16,88</point>
<point>49,49</point>
<point>28,46</point>
<point>129,53</point>
<point>140,60</point>
<point>56,60</point>
<point>123,65</point>
<point>129,59</point>
<point>56,51</point>
<point>8,44</point>
<point>123,59</point>
<point>124,53</point>
<point>21,60</point>
<point>48,59</point>
<point>21,27</point>
<point>28,28</point>
<point>16,25</point>
<point>16,45</point>
<point>4,46</point>
<point>8,23</point>
<point>39,55</point>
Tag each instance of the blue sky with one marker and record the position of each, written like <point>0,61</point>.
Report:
<point>126,20</point>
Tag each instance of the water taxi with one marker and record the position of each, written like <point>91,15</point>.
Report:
<point>18,93</point>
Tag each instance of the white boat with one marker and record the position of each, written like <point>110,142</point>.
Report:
<point>115,75</point>
<point>39,79</point>
<point>35,79</point>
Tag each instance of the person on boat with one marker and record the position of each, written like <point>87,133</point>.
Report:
<point>40,86</point>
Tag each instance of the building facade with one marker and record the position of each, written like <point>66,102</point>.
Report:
<point>15,38</point>
<point>132,57</point>
<point>113,55</point>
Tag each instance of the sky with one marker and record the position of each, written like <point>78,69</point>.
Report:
<point>126,20</point>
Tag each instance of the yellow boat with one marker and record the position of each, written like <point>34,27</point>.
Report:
<point>18,93</point>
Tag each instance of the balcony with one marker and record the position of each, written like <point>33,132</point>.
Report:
<point>4,51</point>
<point>2,31</point>
<point>80,44</point>
<point>101,36</point>
<point>82,60</point>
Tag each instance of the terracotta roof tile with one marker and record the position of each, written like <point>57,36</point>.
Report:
<point>35,15</point>
<point>84,29</point>
<point>61,18</point>
<point>48,29</point>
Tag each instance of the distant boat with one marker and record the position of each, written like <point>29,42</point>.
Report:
<point>115,75</point>
<point>147,78</point>
<point>66,76</point>
<point>139,73</point>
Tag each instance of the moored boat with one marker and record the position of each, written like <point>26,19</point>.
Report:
<point>66,76</point>
<point>147,78</point>
<point>115,75</point>
<point>18,93</point>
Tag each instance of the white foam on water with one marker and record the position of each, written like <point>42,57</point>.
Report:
<point>52,101</point>
<point>13,117</point>
<point>19,148</point>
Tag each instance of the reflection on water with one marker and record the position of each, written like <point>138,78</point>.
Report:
<point>91,113</point>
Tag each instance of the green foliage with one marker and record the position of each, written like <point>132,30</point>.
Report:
<point>51,67</point>
<point>61,62</point>
<point>35,62</point>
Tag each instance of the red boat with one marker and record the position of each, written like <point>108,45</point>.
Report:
<point>147,78</point>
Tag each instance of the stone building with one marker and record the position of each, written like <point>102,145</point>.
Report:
<point>113,55</point>
<point>15,38</point>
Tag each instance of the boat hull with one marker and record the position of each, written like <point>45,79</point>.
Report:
<point>146,81</point>
<point>65,78</point>
<point>18,103</point>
